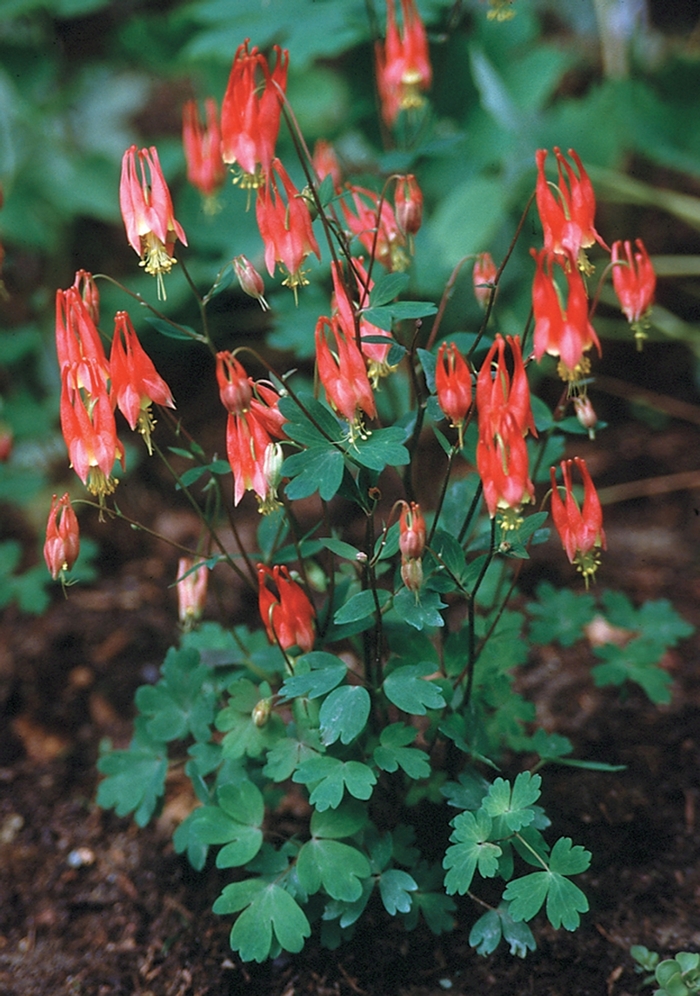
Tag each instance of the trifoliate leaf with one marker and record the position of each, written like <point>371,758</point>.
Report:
<point>326,672</point>
<point>360,606</point>
<point>559,616</point>
<point>135,776</point>
<point>316,468</point>
<point>634,662</point>
<point>421,611</point>
<point>564,899</point>
<point>393,752</point>
<point>182,701</point>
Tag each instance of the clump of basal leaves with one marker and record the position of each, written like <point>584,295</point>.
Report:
<point>365,753</point>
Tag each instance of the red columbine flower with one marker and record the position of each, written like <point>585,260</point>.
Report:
<point>135,381</point>
<point>483,275</point>
<point>250,113</point>
<point>580,529</point>
<point>250,280</point>
<point>453,383</point>
<point>285,228</point>
<point>78,343</point>
<point>202,144</point>
<point>344,375</point>
<point>567,219</point>
<point>147,210</point>
<point>62,544</point>
<point>192,581</point>
<point>254,420</point>
<point>289,617</point>
<point>375,353</point>
<point>505,417</point>
<point>376,228</point>
<point>87,288</point>
<point>566,333</point>
<point>402,62</point>
<point>634,281</point>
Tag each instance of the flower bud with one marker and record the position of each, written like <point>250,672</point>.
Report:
<point>250,280</point>
<point>6,441</point>
<point>62,544</point>
<point>261,712</point>
<point>191,591</point>
<point>585,413</point>
<point>412,574</point>
<point>484,274</point>
<point>408,204</point>
<point>235,389</point>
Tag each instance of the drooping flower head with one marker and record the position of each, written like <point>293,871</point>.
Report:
<point>135,382</point>
<point>403,64</point>
<point>505,417</point>
<point>376,227</point>
<point>254,422</point>
<point>343,373</point>
<point>568,213</point>
<point>147,211</point>
<point>408,204</point>
<point>348,312</point>
<point>202,143</point>
<point>288,616</point>
<point>453,383</point>
<point>285,227</point>
<point>634,281</point>
<point>78,342</point>
<point>561,331</point>
<point>580,528</point>
<point>483,275</point>
<point>325,163</point>
<point>250,113</point>
<point>62,544</point>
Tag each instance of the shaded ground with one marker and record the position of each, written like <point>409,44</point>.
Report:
<point>90,904</point>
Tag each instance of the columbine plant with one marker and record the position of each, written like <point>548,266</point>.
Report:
<point>379,676</point>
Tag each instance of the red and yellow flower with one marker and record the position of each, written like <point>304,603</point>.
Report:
<point>403,64</point>
<point>288,616</point>
<point>202,144</point>
<point>62,544</point>
<point>580,527</point>
<point>285,227</point>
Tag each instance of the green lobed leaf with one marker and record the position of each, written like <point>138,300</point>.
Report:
<point>360,606</point>
<point>328,778</point>
<point>559,616</point>
<point>389,286</point>
<point>135,776</point>
<point>333,866</point>
<point>269,914</point>
<point>344,714</point>
<point>407,688</point>
<point>380,449</point>
<point>327,671</point>
<point>634,662</point>
<point>513,805</point>
<point>395,888</point>
<point>182,701</point>
<point>473,850</point>
<point>317,468</point>
<point>421,611</point>
<point>393,752</point>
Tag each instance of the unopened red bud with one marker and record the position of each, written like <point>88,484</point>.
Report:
<point>484,274</point>
<point>191,591</point>
<point>250,280</point>
<point>408,203</point>
<point>62,544</point>
<point>235,389</point>
<point>6,442</point>
<point>585,413</point>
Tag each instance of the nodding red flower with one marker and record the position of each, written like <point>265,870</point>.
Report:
<point>402,62</point>
<point>89,429</point>
<point>375,353</point>
<point>376,228</point>
<point>147,210</point>
<point>505,417</point>
<point>343,374</point>
<point>634,281</point>
<point>408,204</point>
<point>453,383</point>
<point>250,280</point>
<point>254,421</point>
<point>78,343</point>
<point>483,275</point>
<point>192,582</point>
<point>563,332</point>
<point>250,113</point>
<point>289,616</point>
<point>325,162</point>
<point>62,544</point>
<point>135,382</point>
<point>202,143</point>
<point>567,219</point>
<point>285,228</point>
<point>580,528</point>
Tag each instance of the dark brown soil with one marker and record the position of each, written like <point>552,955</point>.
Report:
<point>92,906</point>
